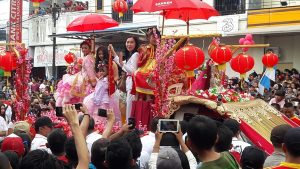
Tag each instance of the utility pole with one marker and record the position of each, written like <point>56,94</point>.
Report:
<point>55,16</point>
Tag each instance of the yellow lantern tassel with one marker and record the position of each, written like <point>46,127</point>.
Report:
<point>190,77</point>
<point>121,14</point>
<point>7,73</point>
<point>243,76</point>
<point>190,73</point>
<point>35,4</point>
<point>222,67</point>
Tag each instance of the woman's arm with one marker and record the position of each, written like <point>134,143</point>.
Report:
<point>89,66</point>
<point>110,123</point>
<point>116,72</point>
<point>70,113</point>
<point>85,121</point>
<point>154,154</point>
<point>131,65</point>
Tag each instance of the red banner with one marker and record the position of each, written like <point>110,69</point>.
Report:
<point>15,20</point>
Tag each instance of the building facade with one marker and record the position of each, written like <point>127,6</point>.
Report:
<point>270,21</point>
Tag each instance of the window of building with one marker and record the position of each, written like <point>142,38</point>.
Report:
<point>99,5</point>
<point>230,7</point>
<point>2,35</point>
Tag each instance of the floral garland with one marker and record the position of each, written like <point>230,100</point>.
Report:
<point>162,75</point>
<point>21,80</point>
<point>228,95</point>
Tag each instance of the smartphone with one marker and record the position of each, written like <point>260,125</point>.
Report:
<point>102,112</point>
<point>59,112</point>
<point>168,125</point>
<point>131,121</point>
<point>77,106</point>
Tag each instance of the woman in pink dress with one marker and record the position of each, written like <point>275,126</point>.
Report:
<point>100,98</point>
<point>73,88</point>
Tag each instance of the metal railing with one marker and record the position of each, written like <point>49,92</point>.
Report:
<point>263,4</point>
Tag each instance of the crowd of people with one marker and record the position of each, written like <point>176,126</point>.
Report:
<point>122,91</point>
<point>201,143</point>
<point>68,6</point>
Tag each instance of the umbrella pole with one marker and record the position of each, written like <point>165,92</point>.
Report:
<point>188,27</point>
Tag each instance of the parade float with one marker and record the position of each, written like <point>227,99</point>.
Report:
<point>179,94</point>
<point>207,95</point>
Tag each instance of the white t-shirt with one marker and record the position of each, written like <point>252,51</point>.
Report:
<point>39,142</point>
<point>238,145</point>
<point>42,87</point>
<point>148,142</point>
<point>3,126</point>
<point>91,138</point>
<point>281,103</point>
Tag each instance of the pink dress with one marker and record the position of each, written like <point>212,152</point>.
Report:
<point>100,99</point>
<point>74,88</point>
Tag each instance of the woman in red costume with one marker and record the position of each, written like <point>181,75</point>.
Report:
<point>141,109</point>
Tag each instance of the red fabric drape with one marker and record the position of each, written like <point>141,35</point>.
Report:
<point>111,81</point>
<point>289,121</point>
<point>256,138</point>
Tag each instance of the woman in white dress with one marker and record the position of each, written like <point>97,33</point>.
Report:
<point>129,65</point>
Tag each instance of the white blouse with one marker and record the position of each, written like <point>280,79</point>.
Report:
<point>3,126</point>
<point>129,67</point>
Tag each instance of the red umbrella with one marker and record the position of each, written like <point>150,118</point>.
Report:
<point>91,22</point>
<point>176,9</point>
<point>160,5</point>
<point>201,11</point>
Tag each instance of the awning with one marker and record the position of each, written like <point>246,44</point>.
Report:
<point>267,30</point>
<point>110,34</point>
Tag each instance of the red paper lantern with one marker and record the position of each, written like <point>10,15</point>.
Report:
<point>69,58</point>
<point>8,62</point>
<point>221,55</point>
<point>212,46</point>
<point>189,58</point>
<point>120,6</point>
<point>242,63</point>
<point>270,60</point>
<point>36,3</point>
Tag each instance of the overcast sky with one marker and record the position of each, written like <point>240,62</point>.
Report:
<point>5,8</point>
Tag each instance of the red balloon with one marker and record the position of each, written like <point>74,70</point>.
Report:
<point>8,62</point>
<point>270,59</point>
<point>189,57</point>
<point>69,58</point>
<point>242,63</point>
<point>221,55</point>
<point>120,6</point>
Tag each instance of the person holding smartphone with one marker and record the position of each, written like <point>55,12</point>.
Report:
<point>171,155</point>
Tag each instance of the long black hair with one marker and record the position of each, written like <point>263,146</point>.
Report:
<point>3,115</point>
<point>127,54</point>
<point>105,57</point>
